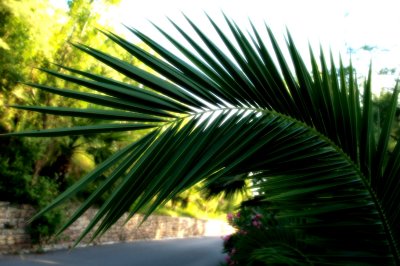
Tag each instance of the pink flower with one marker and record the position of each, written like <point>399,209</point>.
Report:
<point>233,251</point>
<point>229,261</point>
<point>258,216</point>
<point>256,223</point>
<point>238,215</point>
<point>229,216</point>
<point>226,238</point>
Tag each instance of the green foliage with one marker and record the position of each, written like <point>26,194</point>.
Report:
<point>18,184</point>
<point>307,141</point>
<point>16,169</point>
<point>42,193</point>
<point>382,106</point>
<point>194,203</point>
<point>255,241</point>
<point>33,33</point>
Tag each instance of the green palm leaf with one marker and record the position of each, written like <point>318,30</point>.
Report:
<point>306,137</point>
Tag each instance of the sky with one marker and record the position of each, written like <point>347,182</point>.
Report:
<point>342,26</point>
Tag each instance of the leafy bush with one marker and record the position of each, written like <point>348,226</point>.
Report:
<point>42,229</point>
<point>251,225</point>
<point>41,194</point>
<point>16,170</point>
<point>258,235</point>
<point>19,185</point>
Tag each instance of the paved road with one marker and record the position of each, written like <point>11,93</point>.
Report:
<point>176,252</point>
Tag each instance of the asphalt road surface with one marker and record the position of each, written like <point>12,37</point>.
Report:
<point>205,251</point>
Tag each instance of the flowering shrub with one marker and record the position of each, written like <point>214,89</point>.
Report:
<point>251,224</point>
<point>263,239</point>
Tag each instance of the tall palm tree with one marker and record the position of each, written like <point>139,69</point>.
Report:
<point>305,137</point>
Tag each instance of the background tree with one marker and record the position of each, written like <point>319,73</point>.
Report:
<point>35,34</point>
<point>382,104</point>
<point>37,43</point>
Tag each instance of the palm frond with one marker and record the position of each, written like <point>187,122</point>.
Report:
<point>219,113</point>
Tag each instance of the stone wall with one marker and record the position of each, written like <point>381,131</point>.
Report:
<point>15,239</point>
